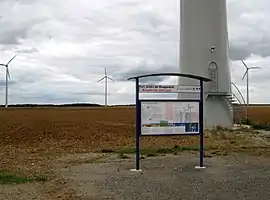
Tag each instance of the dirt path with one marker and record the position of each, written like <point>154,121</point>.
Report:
<point>91,176</point>
<point>55,188</point>
<point>27,191</point>
<point>173,177</point>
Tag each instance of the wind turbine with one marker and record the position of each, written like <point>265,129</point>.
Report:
<point>106,86</point>
<point>188,112</point>
<point>189,108</point>
<point>7,78</point>
<point>247,75</point>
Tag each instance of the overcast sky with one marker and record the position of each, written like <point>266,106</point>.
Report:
<point>63,47</point>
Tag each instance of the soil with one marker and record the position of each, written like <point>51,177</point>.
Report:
<point>46,141</point>
<point>75,130</point>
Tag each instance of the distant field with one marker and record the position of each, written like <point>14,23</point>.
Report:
<point>85,128</point>
<point>259,113</point>
<point>256,113</point>
<point>75,129</point>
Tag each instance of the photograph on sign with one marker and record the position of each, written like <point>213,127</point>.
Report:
<point>169,117</point>
<point>169,89</point>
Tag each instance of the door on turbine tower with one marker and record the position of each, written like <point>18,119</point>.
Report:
<point>213,74</point>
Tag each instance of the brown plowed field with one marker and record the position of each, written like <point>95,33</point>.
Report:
<point>75,130</point>
<point>259,113</point>
<point>36,141</point>
<point>84,129</point>
<point>256,113</point>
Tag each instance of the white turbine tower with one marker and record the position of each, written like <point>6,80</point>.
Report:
<point>204,52</point>
<point>246,74</point>
<point>7,78</point>
<point>106,86</point>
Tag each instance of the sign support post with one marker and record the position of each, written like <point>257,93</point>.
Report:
<point>201,128</point>
<point>138,125</point>
<point>173,127</point>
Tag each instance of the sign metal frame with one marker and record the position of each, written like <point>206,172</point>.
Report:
<point>201,81</point>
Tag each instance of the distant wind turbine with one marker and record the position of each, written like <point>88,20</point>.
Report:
<point>106,86</point>
<point>247,75</point>
<point>7,78</point>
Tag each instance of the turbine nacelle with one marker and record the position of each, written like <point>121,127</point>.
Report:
<point>105,77</point>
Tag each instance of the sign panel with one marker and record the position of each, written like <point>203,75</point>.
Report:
<point>169,117</point>
<point>169,88</point>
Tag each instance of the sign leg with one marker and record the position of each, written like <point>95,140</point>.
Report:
<point>138,128</point>
<point>201,127</point>
<point>201,152</point>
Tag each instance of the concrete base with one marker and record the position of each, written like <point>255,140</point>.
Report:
<point>135,170</point>
<point>198,167</point>
<point>217,113</point>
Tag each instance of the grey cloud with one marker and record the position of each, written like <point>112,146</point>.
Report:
<point>84,67</point>
<point>61,94</point>
<point>3,84</point>
<point>50,94</point>
<point>29,77</point>
<point>28,50</point>
<point>237,53</point>
<point>101,93</point>
<point>90,93</point>
<point>12,36</point>
<point>143,70</point>
<point>25,1</point>
<point>48,97</point>
<point>152,19</point>
<point>18,1</point>
<point>248,28</point>
<point>149,22</point>
<point>63,58</point>
<point>259,46</point>
<point>257,75</point>
<point>127,3</point>
<point>14,25</point>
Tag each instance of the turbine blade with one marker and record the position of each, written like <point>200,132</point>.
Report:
<point>8,74</point>
<point>110,78</point>
<point>105,72</point>
<point>244,64</point>
<point>102,79</point>
<point>11,60</point>
<point>254,68</point>
<point>245,74</point>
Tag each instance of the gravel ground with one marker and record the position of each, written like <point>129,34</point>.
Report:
<point>21,192</point>
<point>173,178</point>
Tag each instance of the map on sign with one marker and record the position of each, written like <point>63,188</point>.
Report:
<point>169,117</point>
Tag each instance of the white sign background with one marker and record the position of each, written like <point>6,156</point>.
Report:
<point>169,117</point>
